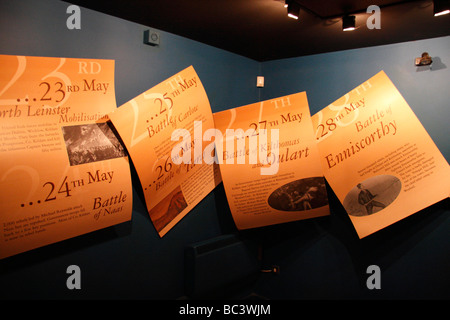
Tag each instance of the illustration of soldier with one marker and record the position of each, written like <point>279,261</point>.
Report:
<point>366,199</point>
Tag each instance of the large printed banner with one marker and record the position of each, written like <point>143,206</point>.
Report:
<point>269,162</point>
<point>377,157</point>
<point>63,172</point>
<point>162,129</point>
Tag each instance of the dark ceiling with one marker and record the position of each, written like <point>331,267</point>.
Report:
<point>261,30</point>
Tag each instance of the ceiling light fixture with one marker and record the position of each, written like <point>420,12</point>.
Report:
<point>293,10</point>
<point>348,23</point>
<point>441,7</point>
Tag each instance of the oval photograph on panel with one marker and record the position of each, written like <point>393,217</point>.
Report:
<point>372,195</point>
<point>299,195</point>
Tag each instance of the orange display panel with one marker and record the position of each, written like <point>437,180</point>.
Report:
<point>63,171</point>
<point>269,162</point>
<point>167,118</point>
<point>377,156</point>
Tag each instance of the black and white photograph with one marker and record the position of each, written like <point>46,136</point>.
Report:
<point>372,195</point>
<point>300,195</point>
<point>91,142</point>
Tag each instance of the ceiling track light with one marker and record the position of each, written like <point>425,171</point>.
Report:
<point>441,7</point>
<point>293,9</point>
<point>348,23</point>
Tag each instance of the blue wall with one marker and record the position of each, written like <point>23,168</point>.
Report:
<point>129,261</point>
<point>319,258</point>
<point>327,77</point>
<point>38,28</point>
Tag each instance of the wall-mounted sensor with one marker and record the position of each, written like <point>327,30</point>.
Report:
<point>260,82</point>
<point>151,37</point>
<point>425,60</point>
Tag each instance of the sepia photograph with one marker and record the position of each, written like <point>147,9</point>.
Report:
<point>166,210</point>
